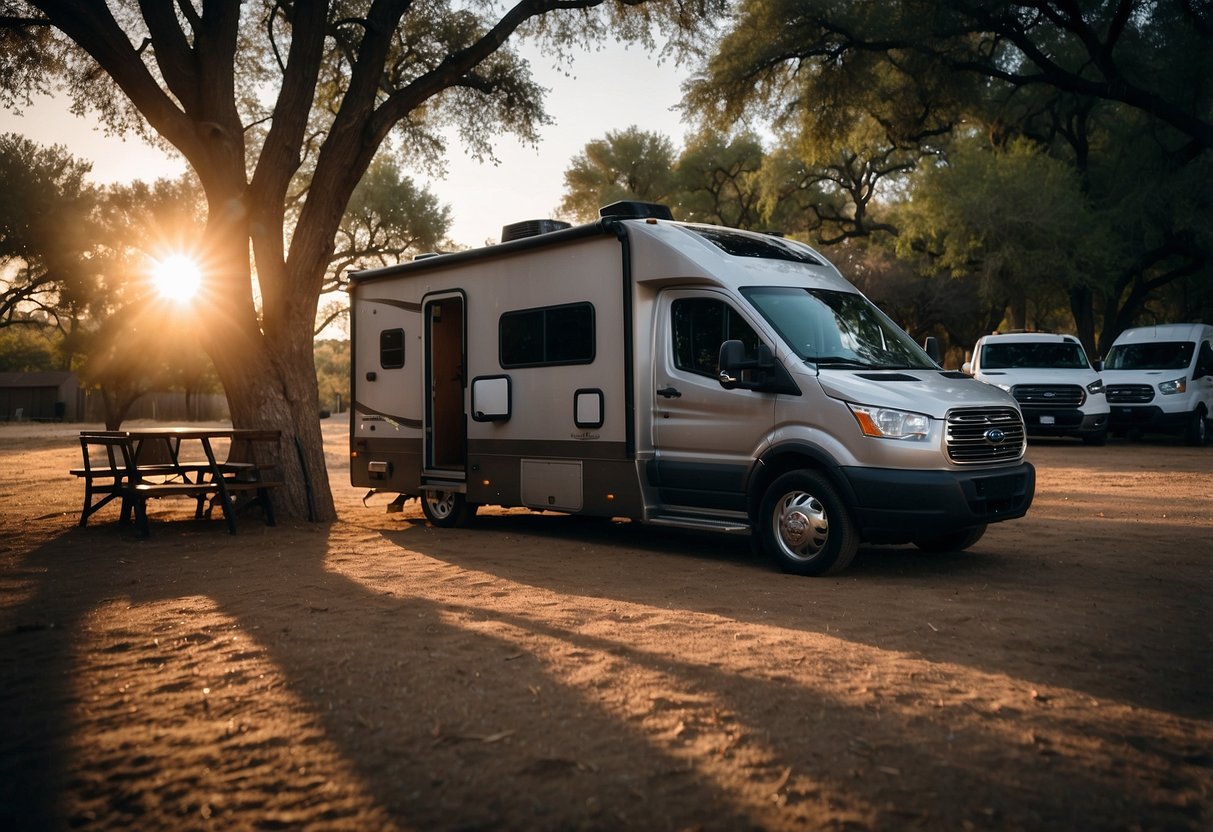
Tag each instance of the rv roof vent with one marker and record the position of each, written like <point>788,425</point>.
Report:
<point>530,228</point>
<point>630,209</point>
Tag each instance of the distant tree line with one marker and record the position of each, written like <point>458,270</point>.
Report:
<point>969,165</point>
<point>76,260</point>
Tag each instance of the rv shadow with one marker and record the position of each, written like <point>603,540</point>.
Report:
<point>1012,605</point>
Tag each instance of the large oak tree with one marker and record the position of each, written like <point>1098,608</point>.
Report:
<point>270,99</point>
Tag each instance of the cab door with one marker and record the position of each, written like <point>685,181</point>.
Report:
<point>705,437</point>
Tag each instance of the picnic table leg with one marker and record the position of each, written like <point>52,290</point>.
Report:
<point>142,527</point>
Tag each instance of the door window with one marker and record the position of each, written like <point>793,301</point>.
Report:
<point>700,326</point>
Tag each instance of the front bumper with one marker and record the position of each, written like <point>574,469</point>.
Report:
<point>1149,417</point>
<point>1063,422</point>
<point>896,506</point>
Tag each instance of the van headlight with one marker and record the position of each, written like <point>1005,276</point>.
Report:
<point>888,423</point>
<point>1176,385</point>
<point>1095,388</point>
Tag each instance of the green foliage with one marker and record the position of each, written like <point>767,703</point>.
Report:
<point>1062,152</point>
<point>332,359</point>
<point>25,350</point>
<point>46,225</point>
<point>1016,219</point>
<point>627,164</point>
<point>718,182</point>
<point>389,219</point>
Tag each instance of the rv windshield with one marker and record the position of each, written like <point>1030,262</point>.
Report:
<point>1159,355</point>
<point>837,330</point>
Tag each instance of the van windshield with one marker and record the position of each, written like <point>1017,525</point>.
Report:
<point>1156,355</point>
<point>1040,355</point>
<point>833,329</point>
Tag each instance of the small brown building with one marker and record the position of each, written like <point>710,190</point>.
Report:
<point>40,396</point>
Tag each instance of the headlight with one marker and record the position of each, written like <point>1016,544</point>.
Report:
<point>1095,388</point>
<point>888,423</point>
<point>1177,385</point>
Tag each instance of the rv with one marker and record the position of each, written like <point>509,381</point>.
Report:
<point>676,374</point>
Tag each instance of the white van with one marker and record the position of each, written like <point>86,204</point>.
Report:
<point>1058,389</point>
<point>1160,379</point>
<point>675,374</point>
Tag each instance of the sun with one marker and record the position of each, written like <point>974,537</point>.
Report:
<point>177,277</point>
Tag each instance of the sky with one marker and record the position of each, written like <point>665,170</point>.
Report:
<point>611,89</point>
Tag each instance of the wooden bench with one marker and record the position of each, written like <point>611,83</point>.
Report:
<point>112,470</point>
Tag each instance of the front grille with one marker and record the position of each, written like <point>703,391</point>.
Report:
<point>1130,393</point>
<point>1049,395</point>
<point>979,435</point>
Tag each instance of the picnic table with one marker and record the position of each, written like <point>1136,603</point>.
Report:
<point>208,465</point>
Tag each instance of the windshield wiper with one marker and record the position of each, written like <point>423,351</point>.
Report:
<point>839,361</point>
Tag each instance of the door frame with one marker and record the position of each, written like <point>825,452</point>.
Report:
<point>445,419</point>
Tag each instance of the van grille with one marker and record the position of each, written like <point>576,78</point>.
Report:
<point>1130,393</point>
<point>985,434</point>
<point>1049,395</point>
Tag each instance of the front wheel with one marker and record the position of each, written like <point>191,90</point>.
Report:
<point>1198,429</point>
<point>954,542</point>
<point>805,526</point>
<point>447,509</point>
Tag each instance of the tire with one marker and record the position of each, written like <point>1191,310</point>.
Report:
<point>957,541</point>
<point>447,509</point>
<point>805,526</point>
<point>1197,432</point>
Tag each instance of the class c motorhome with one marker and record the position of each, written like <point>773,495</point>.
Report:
<point>676,374</point>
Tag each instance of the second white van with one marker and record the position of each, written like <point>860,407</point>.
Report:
<point>1160,379</point>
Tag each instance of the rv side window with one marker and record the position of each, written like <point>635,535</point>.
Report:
<point>548,335</point>
<point>701,325</point>
<point>391,349</point>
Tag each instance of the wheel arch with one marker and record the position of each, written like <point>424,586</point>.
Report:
<point>793,456</point>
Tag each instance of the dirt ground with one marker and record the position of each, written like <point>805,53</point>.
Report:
<point>543,672</point>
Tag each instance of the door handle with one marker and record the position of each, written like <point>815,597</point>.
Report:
<point>669,393</point>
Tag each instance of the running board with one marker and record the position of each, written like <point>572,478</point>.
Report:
<point>701,523</point>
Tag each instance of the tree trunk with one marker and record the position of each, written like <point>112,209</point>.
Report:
<point>264,393</point>
<point>266,364</point>
<point>1084,319</point>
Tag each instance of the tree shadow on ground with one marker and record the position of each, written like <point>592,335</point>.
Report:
<point>464,716</point>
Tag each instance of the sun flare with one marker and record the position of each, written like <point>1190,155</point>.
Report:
<point>177,277</point>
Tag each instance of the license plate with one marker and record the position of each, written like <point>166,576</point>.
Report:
<point>1047,420</point>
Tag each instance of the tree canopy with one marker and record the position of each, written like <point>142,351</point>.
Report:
<point>879,108</point>
<point>280,109</point>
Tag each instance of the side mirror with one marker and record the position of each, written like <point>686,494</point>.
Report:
<point>733,361</point>
<point>967,368</point>
<point>931,346</point>
<point>1097,366</point>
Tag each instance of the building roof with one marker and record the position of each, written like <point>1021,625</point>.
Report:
<point>37,379</point>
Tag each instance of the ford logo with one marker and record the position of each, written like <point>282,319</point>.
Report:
<point>995,436</point>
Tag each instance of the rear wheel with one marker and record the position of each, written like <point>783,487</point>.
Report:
<point>1197,432</point>
<point>953,542</point>
<point>447,508</point>
<point>806,527</point>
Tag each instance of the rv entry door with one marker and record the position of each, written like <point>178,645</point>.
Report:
<point>445,414</point>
